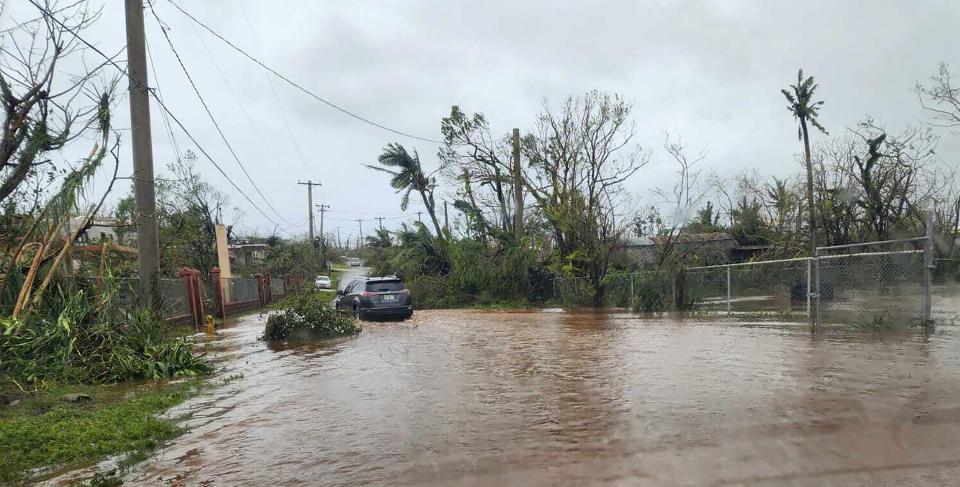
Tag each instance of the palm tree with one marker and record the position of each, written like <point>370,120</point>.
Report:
<point>408,176</point>
<point>806,110</point>
<point>380,240</point>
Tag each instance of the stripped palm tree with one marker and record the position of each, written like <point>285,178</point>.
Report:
<point>408,176</point>
<point>803,108</point>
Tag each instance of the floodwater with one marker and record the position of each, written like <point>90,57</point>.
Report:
<point>573,398</point>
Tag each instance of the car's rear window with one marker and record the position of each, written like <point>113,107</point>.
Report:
<point>384,286</point>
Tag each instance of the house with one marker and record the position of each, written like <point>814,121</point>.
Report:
<point>248,254</point>
<point>711,248</point>
<point>104,230</point>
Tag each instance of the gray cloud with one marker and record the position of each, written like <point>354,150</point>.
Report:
<point>710,71</point>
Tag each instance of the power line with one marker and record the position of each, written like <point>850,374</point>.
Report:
<point>276,98</point>
<point>297,86</point>
<point>206,108</point>
<point>233,95</point>
<point>166,120</point>
<point>152,91</point>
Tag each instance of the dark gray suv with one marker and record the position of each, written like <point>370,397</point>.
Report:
<point>376,297</point>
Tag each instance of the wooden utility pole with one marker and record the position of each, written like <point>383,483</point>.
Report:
<point>148,243</point>
<point>380,219</point>
<point>360,240</point>
<point>517,185</point>
<point>310,184</point>
<point>339,246</point>
<point>323,240</point>
<point>418,216</point>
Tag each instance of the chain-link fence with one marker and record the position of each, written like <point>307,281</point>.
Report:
<point>239,290</point>
<point>573,292</point>
<point>775,286</point>
<point>872,284</point>
<point>174,297</point>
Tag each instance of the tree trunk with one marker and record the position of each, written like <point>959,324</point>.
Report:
<point>427,202</point>
<point>810,204</point>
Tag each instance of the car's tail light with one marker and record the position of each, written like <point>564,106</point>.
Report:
<point>366,294</point>
<point>404,291</point>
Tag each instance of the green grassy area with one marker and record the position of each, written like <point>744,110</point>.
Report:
<point>43,431</point>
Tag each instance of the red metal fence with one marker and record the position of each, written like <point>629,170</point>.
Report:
<point>189,299</point>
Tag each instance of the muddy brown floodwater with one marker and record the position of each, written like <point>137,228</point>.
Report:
<point>574,398</point>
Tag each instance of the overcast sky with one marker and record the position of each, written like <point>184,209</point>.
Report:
<point>710,71</point>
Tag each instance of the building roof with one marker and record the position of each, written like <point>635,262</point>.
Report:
<point>682,238</point>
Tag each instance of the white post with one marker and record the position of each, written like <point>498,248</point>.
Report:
<point>728,290</point>
<point>928,270</point>
<point>809,264</point>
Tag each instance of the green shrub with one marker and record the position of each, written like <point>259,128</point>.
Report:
<point>308,315</point>
<point>69,339</point>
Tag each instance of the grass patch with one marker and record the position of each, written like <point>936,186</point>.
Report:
<point>43,431</point>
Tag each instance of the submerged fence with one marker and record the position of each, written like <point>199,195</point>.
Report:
<point>868,284</point>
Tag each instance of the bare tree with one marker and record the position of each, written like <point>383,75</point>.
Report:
<point>480,164</point>
<point>44,108</point>
<point>690,190</point>
<point>580,155</point>
<point>940,99</point>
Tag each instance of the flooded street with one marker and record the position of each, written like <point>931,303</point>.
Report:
<point>569,398</point>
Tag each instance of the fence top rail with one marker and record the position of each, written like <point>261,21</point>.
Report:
<point>867,244</point>
<point>867,254</point>
<point>741,264</point>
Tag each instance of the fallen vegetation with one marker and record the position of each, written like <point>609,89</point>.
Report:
<point>307,315</point>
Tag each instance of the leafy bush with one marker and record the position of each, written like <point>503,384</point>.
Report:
<point>70,338</point>
<point>466,272</point>
<point>307,315</point>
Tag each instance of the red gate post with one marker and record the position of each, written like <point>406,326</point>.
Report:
<point>192,295</point>
<point>260,291</point>
<point>215,275</point>
<point>268,287</point>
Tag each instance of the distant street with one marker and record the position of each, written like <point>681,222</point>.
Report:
<point>352,273</point>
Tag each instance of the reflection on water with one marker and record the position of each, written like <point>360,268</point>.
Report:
<point>503,398</point>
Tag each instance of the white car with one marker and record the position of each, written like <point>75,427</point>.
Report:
<point>354,262</point>
<point>323,282</point>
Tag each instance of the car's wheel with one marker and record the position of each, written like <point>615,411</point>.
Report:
<point>358,313</point>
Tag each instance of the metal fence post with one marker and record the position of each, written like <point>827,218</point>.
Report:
<point>928,270</point>
<point>816,290</point>
<point>809,266</point>
<point>728,290</point>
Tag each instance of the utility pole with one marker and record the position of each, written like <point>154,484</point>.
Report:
<point>148,243</point>
<point>310,184</point>
<point>323,240</point>
<point>517,186</point>
<point>418,216</point>
<point>360,240</point>
<point>339,247</point>
<point>380,219</point>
